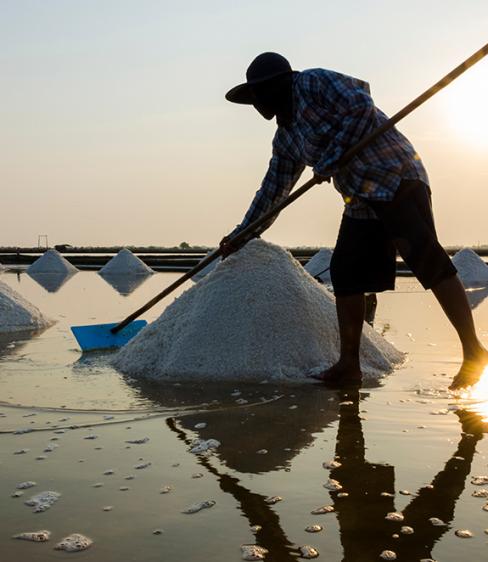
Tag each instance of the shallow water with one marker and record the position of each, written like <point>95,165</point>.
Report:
<point>386,438</point>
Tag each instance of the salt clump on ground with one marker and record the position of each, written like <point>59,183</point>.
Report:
<point>74,543</point>
<point>319,265</point>
<point>34,536</point>
<point>43,501</point>
<point>125,262</point>
<point>472,270</point>
<point>51,262</point>
<point>17,314</point>
<point>257,316</point>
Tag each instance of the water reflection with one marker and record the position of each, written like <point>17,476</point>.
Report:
<point>52,282</point>
<point>364,530</point>
<point>125,284</point>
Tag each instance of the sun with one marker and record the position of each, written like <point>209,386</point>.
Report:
<point>466,106</point>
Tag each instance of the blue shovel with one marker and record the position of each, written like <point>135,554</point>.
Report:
<point>113,336</point>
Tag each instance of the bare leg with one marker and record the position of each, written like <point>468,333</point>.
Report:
<point>452,297</point>
<point>350,316</point>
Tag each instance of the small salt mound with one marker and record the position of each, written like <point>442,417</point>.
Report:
<point>258,315</point>
<point>319,265</point>
<point>125,262</point>
<point>17,314</point>
<point>51,262</point>
<point>472,270</point>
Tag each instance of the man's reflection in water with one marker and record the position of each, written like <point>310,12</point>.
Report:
<point>365,532</point>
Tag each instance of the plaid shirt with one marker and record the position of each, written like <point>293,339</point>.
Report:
<point>332,112</point>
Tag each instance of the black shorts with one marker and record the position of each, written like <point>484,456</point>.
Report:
<point>364,259</point>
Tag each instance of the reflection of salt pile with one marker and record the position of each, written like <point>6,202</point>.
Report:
<point>319,265</point>
<point>125,262</point>
<point>52,262</point>
<point>258,315</point>
<point>472,270</point>
<point>17,314</point>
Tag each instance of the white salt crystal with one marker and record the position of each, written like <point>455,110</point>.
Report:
<point>437,522</point>
<point>330,465</point>
<point>165,490</point>
<point>313,528</point>
<point>17,314</point>
<point>196,507</point>
<point>43,501</point>
<point>204,446</point>
<point>125,262</point>
<point>201,425</point>
<point>322,510</point>
<point>388,555</point>
<point>394,516</point>
<point>307,551</point>
<point>253,552</point>
<point>34,536</point>
<point>142,465</point>
<point>333,485</point>
<point>472,270</point>
<point>271,500</point>
<point>74,543</point>
<point>138,441</point>
<point>407,530</point>
<point>483,493</point>
<point>238,323</point>
<point>464,533</point>
<point>479,480</point>
<point>26,485</point>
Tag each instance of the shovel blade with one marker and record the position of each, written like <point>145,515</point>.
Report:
<point>99,336</point>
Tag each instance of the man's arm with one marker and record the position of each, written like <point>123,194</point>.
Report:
<point>280,178</point>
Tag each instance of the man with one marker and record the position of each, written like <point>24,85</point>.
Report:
<point>320,114</point>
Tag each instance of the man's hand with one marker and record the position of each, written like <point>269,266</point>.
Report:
<point>226,247</point>
<point>321,179</point>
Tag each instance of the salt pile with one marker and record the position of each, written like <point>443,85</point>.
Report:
<point>125,262</point>
<point>258,315</point>
<point>207,269</point>
<point>51,262</point>
<point>319,265</point>
<point>17,314</point>
<point>472,270</point>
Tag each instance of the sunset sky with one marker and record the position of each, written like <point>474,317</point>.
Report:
<point>115,130</point>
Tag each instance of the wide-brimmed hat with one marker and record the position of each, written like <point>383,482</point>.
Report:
<point>263,68</point>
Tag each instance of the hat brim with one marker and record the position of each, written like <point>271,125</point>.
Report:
<point>240,94</point>
<point>243,92</point>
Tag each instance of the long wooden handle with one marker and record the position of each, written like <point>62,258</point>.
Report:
<point>244,234</point>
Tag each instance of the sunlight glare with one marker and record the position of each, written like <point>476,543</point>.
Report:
<point>479,392</point>
<point>465,104</point>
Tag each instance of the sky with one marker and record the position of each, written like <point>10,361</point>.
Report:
<point>114,128</point>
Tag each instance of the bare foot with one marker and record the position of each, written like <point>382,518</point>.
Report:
<point>471,370</point>
<point>341,374</point>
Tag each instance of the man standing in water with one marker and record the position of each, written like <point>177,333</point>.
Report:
<point>320,115</point>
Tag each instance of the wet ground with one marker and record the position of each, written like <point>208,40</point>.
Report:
<point>403,445</point>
